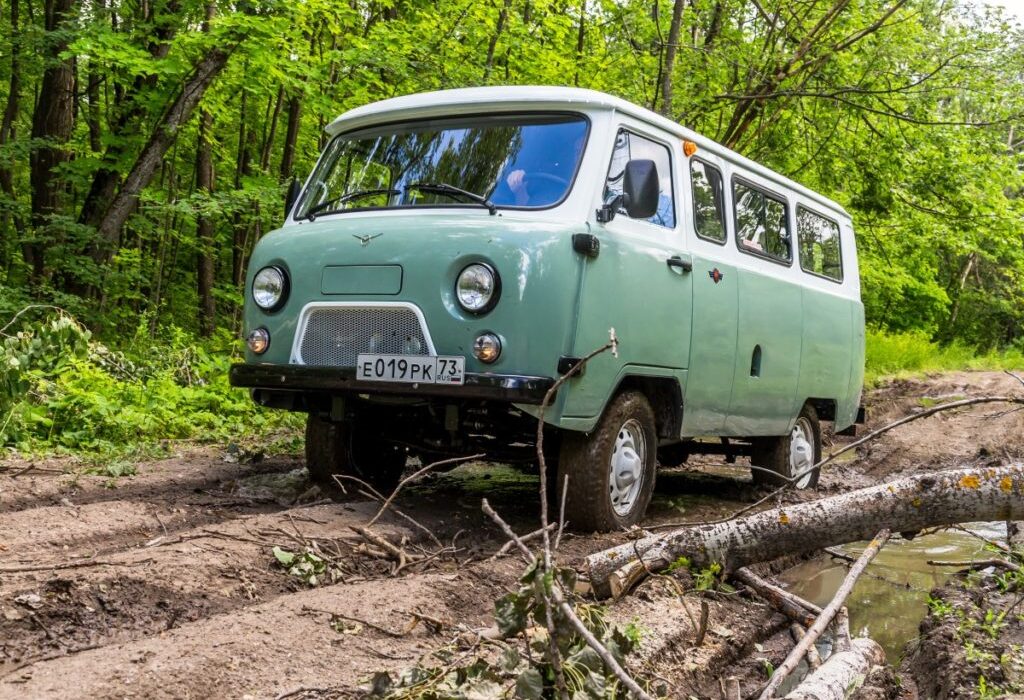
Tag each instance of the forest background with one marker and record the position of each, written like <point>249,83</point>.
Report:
<point>146,145</point>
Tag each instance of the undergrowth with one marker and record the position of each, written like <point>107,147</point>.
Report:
<point>62,390</point>
<point>519,664</point>
<point>900,354</point>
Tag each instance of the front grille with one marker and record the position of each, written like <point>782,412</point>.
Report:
<point>334,336</point>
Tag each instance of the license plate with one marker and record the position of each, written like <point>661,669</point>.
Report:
<point>411,369</point>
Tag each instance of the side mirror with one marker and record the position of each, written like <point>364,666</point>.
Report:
<point>640,192</point>
<point>640,189</point>
<point>293,194</point>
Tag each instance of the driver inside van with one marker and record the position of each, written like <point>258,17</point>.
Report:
<point>541,175</point>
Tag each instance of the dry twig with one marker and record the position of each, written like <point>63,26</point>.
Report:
<point>829,612</point>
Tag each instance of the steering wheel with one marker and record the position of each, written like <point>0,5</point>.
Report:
<point>546,177</point>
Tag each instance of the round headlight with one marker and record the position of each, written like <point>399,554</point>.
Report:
<point>477,288</point>
<point>258,340</point>
<point>269,288</point>
<point>487,347</point>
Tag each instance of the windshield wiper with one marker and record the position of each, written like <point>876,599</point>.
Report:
<point>319,208</point>
<point>453,191</point>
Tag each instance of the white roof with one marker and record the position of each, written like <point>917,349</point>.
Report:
<point>540,97</point>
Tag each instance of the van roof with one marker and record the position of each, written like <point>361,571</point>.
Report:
<point>531,97</point>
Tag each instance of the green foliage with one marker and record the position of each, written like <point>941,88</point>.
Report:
<point>894,354</point>
<point>59,388</point>
<point>911,120</point>
<point>986,691</point>
<point>530,676</point>
<point>307,566</point>
<point>706,579</point>
<point>938,607</point>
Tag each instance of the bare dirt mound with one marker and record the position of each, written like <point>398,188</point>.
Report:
<point>165,584</point>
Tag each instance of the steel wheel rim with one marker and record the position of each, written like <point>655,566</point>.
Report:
<point>801,452</point>
<point>626,467</point>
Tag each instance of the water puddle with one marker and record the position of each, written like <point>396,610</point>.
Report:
<point>890,598</point>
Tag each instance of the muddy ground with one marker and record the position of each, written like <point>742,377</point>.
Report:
<point>164,584</point>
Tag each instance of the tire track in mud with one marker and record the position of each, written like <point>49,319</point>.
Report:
<point>166,480</point>
<point>207,601</point>
<point>182,577</point>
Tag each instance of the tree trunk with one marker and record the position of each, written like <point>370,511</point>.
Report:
<point>205,231</point>
<point>105,180</point>
<point>581,37</point>
<point>498,29</point>
<point>152,154</point>
<point>670,57</point>
<point>291,136</point>
<point>841,674</point>
<point>92,92</point>
<point>268,137</point>
<point>243,168</point>
<point>905,505</point>
<point>52,123</point>
<point>7,133</point>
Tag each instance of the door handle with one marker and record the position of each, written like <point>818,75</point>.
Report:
<point>679,263</point>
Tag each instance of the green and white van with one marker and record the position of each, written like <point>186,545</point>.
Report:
<point>454,253</point>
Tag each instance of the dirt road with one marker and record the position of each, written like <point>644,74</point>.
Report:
<point>165,584</point>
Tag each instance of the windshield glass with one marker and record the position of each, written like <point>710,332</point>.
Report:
<point>523,161</point>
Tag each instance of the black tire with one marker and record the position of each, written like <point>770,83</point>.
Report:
<point>587,460</point>
<point>777,453</point>
<point>340,448</point>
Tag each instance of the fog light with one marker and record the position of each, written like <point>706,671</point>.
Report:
<point>487,347</point>
<point>258,340</point>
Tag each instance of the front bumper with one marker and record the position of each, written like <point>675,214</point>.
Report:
<point>511,388</point>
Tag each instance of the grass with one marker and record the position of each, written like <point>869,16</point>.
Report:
<point>906,354</point>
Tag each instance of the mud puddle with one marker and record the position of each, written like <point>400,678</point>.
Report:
<point>891,597</point>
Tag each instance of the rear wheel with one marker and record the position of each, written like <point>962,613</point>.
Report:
<point>790,454</point>
<point>340,448</point>
<point>611,470</point>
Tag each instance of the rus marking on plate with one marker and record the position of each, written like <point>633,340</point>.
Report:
<point>365,240</point>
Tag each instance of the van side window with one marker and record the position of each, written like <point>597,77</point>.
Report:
<point>819,245</point>
<point>762,226</point>
<point>630,146</point>
<point>708,201</point>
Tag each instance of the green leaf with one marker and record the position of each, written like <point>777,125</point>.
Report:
<point>510,613</point>
<point>529,685</point>
<point>283,556</point>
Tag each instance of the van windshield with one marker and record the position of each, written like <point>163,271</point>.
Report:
<point>511,161</point>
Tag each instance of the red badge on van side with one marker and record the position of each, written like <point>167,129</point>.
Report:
<point>716,275</point>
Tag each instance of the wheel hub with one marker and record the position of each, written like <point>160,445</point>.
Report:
<point>801,452</point>
<point>626,467</point>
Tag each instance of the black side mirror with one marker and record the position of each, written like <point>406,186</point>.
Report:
<point>640,189</point>
<point>640,192</point>
<point>293,194</point>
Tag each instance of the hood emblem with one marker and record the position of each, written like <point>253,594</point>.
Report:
<point>365,240</point>
<point>716,275</point>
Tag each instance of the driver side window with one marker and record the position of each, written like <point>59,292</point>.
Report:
<point>630,146</point>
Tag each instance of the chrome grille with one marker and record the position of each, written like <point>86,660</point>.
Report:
<point>333,336</point>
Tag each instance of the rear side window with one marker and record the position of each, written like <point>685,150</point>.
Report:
<point>762,226</point>
<point>629,146</point>
<point>818,237</point>
<point>708,201</point>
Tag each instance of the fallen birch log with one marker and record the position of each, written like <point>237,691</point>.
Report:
<point>841,674</point>
<point>800,611</point>
<point>905,505</point>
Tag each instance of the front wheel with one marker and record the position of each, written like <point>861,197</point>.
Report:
<point>611,469</point>
<point>789,455</point>
<point>340,448</point>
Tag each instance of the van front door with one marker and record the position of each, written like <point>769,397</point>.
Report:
<point>639,284</point>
